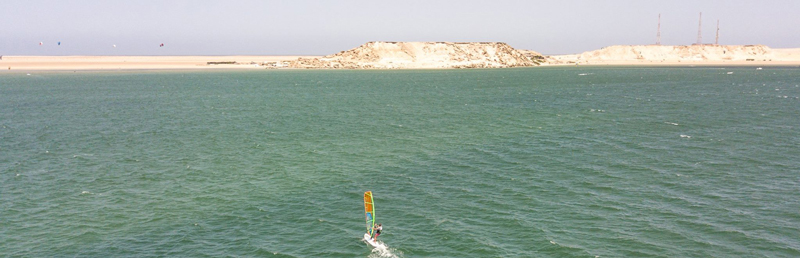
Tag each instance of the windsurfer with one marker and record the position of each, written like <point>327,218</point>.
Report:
<point>377,231</point>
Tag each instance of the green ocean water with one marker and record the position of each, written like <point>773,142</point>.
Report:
<point>535,162</point>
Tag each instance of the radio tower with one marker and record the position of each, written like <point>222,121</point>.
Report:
<point>716,40</point>
<point>699,30</point>
<point>658,35</point>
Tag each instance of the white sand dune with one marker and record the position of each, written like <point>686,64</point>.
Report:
<point>693,54</point>
<point>416,55</point>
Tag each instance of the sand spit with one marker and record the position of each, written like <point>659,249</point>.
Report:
<point>693,54</point>
<point>424,55</point>
<point>15,63</point>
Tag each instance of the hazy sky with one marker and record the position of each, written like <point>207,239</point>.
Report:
<point>298,27</point>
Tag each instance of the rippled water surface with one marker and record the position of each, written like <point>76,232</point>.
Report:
<point>542,162</point>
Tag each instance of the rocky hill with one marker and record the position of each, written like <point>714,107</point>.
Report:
<point>659,53</point>
<point>415,55</point>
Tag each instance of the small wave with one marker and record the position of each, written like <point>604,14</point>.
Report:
<point>671,123</point>
<point>383,251</point>
<point>686,136</point>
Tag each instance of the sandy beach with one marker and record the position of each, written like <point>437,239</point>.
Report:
<point>26,63</point>
<point>461,55</point>
<point>692,55</point>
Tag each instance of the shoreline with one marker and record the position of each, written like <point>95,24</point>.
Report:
<point>679,64</point>
<point>199,63</point>
<point>106,63</point>
<point>682,55</point>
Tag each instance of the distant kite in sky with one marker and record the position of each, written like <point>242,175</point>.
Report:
<point>59,43</point>
<point>40,43</point>
<point>114,45</point>
<point>162,44</point>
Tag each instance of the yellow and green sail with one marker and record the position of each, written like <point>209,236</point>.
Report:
<point>369,212</point>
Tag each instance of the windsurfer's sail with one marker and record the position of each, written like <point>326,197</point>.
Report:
<point>369,212</point>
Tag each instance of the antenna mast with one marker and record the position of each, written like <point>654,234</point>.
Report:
<point>658,35</point>
<point>716,40</point>
<point>699,30</point>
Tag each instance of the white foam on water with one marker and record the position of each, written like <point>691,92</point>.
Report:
<point>384,252</point>
<point>671,123</point>
<point>686,136</point>
<point>380,249</point>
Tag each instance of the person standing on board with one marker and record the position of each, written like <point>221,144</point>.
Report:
<point>377,230</point>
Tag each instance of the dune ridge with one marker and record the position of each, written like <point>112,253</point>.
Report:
<point>416,55</point>
<point>711,54</point>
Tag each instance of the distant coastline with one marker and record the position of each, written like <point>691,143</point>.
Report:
<point>61,63</point>
<point>735,55</point>
<point>430,55</point>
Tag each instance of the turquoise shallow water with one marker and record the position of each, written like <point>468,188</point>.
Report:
<point>541,162</point>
